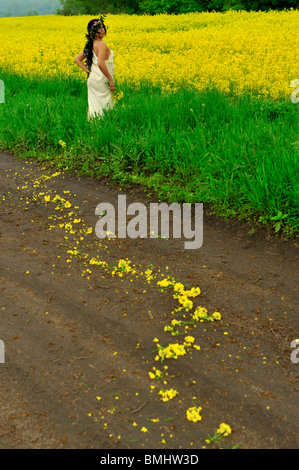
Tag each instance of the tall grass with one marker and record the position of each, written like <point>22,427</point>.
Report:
<point>240,155</point>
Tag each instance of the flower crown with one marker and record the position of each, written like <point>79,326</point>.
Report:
<point>94,28</point>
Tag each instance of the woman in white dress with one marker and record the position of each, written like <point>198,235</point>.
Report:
<point>99,65</point>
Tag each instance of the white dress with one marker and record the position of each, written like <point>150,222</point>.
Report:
<point>99,93</point>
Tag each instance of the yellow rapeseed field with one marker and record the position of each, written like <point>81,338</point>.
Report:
<point>233,51</point>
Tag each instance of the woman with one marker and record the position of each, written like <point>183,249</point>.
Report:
<point>99,65</point>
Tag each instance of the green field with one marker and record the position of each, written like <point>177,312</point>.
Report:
<point>239,156</point>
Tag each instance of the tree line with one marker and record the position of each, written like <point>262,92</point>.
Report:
<point>152,7</point>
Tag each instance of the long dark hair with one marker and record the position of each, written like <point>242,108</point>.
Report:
<point>92,28</point>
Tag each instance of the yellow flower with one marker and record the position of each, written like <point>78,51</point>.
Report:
<point>164,283</point>
<point>235,39</point>
<point>216,316</point>
<point>172,351</point>
<point>189,339</point>
<point>179,287</point>
<point>200,313</point>
<point>224,429</point>
<point>193,414</point>
<point>186,303</point>
<point>194,292</point>
<point>116,96</point>
<point>168,394</point>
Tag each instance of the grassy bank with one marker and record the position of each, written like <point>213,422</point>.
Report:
<point>240,155</point>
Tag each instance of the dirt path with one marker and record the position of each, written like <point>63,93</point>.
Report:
<point>79,340</point>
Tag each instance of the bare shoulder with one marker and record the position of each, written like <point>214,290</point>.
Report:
<point>102,45</point>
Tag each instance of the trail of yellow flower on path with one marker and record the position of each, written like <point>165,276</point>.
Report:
<point>73,225</point>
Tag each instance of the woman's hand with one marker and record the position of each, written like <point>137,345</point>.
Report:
<point>112,85</point>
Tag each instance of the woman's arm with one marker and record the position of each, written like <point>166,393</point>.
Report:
<point>79,61</point>
<point>102,52</point>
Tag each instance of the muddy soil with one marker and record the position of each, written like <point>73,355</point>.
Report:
<point>81,338</point>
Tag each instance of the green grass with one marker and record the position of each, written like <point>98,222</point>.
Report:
<point>238,155</point>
